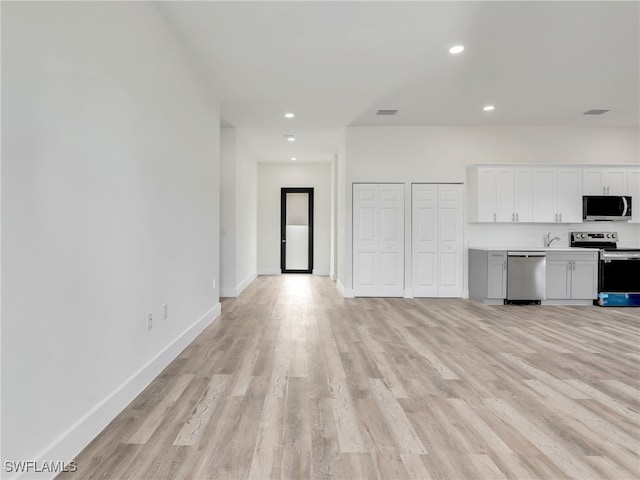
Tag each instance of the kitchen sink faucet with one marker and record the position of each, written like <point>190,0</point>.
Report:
<point>548,240</point>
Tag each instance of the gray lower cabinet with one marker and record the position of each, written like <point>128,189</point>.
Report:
<point>572,277</point>
<point>488,275</point>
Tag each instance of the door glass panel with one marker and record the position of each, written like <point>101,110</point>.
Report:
<point>297,226</point>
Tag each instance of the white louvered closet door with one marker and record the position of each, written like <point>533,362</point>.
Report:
<point>378,240</point>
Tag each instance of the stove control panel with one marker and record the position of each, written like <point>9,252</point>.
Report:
<point>595,237</point>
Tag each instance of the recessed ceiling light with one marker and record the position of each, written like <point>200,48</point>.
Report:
<point>488,108</point>
<point>289,115</point>
<point>293,159</point>
<point>456,49</point>
<point>290,137</point>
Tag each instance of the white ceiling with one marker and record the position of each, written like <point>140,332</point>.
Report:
<point>336,63</point>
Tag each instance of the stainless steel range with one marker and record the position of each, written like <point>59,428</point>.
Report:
<point>618,268</point>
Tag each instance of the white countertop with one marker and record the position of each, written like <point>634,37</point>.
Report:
<point>534,249</point>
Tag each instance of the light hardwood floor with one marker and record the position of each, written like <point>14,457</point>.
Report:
<point>293,381</point>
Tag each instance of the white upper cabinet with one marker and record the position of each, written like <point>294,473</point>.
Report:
<point>569,194</point>
<point>544,193</point>
<point>486,199</point>
<point>604,181</point>
<point>512,193</point>
<point>501,194</point>
<point>557,195</point>
<point>523,195</point>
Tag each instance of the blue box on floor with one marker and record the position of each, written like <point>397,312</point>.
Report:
<point>619,299</point>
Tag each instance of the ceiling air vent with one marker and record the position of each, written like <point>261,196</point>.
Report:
<point>387,112</point>
<point>595,111</point>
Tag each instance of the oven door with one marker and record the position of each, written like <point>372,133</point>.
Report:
<point>619,275</point>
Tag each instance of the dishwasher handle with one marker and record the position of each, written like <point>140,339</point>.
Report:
<point>526,254</point>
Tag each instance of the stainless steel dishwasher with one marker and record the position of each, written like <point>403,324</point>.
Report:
<point>526,277</point>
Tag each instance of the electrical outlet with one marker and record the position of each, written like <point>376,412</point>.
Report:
<point>214,283</point>
<point>165,313</point>
<point>149,321</point>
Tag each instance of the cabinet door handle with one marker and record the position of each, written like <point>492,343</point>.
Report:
<point>513,217</point>
<point>560,218</point>
<point>517,218</point>
<point>494,216</point>
<point>556,217</point>
<point>604,190</point>
<point>607,190</point>
<point>504,266</point>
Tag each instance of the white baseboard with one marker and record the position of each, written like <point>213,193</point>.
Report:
<point>228,292</point>
<point>235,292</point>
<point>270,271</point>
<point>78,435</point>
<point>346,292</point>
<point>246,282</point>
<point>321,273</point>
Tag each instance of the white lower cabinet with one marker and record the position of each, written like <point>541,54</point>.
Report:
<point>572,277</point>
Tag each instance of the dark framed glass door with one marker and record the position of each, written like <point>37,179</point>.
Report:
<point>296,230</point>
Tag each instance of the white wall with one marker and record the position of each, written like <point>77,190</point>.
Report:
<point>333,260</point>
<point>271,178</point>
<point>228,281</point>
<point>246,214</point>
<point>110,209</point>
<point>238,213</point>
<point>441,154</point>
<point>344,218</point>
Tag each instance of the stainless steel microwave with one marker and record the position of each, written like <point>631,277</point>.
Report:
<point>606,208</point>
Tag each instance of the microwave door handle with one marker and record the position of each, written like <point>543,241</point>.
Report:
<point>626,206</point>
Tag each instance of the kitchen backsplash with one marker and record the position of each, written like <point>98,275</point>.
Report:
<point>532,235</point>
